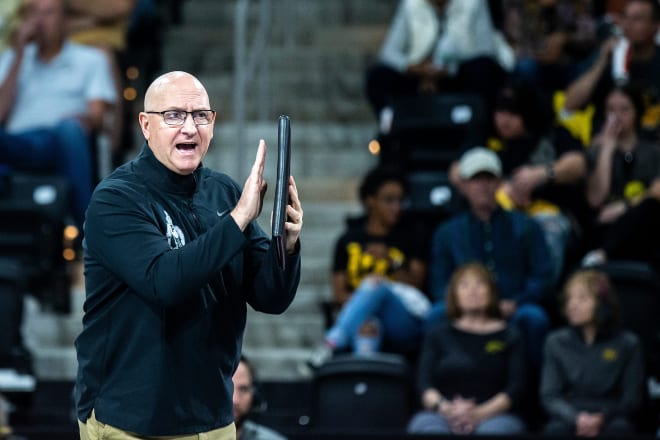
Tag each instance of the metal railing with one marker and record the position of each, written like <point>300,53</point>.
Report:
<point>251,63</point>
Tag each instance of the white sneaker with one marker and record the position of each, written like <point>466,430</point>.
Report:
<point>594,258</point>
<point>320,356</point>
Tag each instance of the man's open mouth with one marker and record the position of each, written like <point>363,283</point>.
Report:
<point>186,146</point>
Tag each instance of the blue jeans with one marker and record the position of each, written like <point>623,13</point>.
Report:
<point>65,149</point>
<point>376,300</point>
<point>556,230</point>
<point>530,319</point>
<point>430,422</point>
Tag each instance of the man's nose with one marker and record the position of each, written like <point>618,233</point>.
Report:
<point>189,125</point>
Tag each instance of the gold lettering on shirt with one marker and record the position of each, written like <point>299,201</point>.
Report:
<point>495,346</point>
<point>610,354</point>
<point>371,258</point>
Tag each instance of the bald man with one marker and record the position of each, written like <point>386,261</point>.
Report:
<point>172,257</point>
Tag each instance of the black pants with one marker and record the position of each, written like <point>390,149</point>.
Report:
<point>617,426</point>
<point>11,318</point>
<point>481,75</point>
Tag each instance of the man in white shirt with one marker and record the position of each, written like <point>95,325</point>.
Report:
<point>53,98</point>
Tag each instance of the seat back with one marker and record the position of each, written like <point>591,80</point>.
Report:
<point>432,198</point>
<point>33,210</point>
<point>362,393</point>
<point>429,132</point>
<point>638,290</point>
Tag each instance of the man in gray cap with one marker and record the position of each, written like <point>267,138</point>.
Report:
<point>509,243</point>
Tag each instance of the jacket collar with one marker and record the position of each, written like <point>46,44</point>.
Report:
<point>160,176</point>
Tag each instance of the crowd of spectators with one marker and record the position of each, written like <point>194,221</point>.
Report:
<point>65,66</point>
<point>566,179</point>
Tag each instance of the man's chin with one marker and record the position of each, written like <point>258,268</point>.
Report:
<point>239,420</point>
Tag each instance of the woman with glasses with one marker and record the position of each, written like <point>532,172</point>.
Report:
<point>379,272</point>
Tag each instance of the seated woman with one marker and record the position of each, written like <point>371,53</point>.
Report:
<point>472,366</point>
<point>379,270</point>
<point>592,378</point>
<point>623,186</point>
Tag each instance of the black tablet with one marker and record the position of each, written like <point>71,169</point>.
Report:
<point>282,188</point>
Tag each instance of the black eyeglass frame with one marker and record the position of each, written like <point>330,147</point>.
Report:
<point>183,121</point>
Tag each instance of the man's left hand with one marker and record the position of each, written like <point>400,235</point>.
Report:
<point>294,221</point>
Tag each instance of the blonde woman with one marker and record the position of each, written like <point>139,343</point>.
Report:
<point>592,378</point>
<point>472,367</point>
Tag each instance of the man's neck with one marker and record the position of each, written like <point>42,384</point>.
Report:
<point>49,50</point>
<point>589,334</point>
<point>375,227</point>
<point>642,52</point>
<point>483,213</point>
<point>628,143</point>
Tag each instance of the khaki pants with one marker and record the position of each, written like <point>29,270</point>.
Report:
<point>92,429</point>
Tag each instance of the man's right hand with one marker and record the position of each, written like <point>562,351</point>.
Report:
<point>24,34</point>
<point>249,205</point>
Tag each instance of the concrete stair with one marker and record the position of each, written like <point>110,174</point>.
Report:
<point>317,55</point>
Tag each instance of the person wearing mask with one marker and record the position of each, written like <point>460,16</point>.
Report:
<point>173,256</point>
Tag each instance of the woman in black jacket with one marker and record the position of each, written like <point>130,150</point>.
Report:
<point>592,378</point>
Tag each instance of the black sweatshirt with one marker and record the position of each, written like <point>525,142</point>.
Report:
<point>168,274</point>
<point>606,376</point>
<point>472,365</point>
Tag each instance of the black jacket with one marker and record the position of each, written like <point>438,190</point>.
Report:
<point>168,274</point>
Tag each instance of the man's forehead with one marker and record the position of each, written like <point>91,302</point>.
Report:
<point>173,87</point>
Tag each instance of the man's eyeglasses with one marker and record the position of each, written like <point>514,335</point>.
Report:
<point>178,117</point>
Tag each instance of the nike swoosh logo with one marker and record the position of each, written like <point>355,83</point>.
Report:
<point>221,214</point>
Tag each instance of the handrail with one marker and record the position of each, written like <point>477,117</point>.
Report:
<point>248,62</point>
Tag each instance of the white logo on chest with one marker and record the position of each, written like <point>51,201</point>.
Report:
<point>174,233</point>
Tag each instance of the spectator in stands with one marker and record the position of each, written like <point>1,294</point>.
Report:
<point>472,366</point>
<point>487,233</point>
<point>5,429</point>
<point>592,380</point>
<point>100,23</point>
<point>624,185</point>
<point>9,21</point>
<point>550,38</point>
<point>53,98</point>
<point>130,32</point>
<point>104,24</point>
<point>438,46</point>
<point>246,402</point>
<point>633,58</point>
<point>542,166</point>
<point>173,257</point>
<point>379,272</point>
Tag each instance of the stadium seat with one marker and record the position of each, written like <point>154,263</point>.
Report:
<point>429,132</point>
<point>362,394</point>
<point>638,288</point>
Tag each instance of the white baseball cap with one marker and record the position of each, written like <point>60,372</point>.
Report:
<point>479,160</point>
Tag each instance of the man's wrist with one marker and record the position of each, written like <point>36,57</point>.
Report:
<point>550,173</point>
<point>438,404</point>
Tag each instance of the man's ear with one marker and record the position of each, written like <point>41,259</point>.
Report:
<point>143,118</point>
